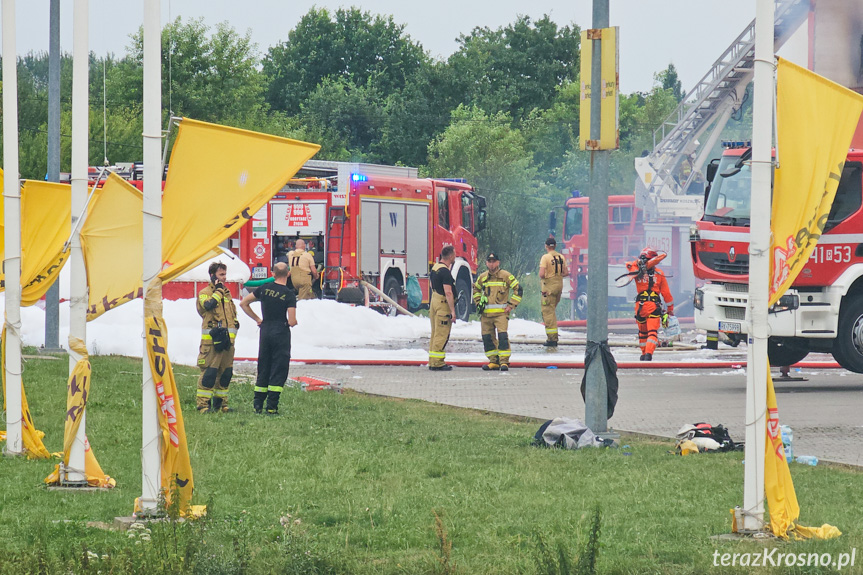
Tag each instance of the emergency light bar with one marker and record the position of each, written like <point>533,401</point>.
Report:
<point>736,144</point>
<point>359,178</point>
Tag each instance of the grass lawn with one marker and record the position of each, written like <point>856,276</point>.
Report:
<point>366,485</point>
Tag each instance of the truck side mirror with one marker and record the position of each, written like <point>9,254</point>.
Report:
<point>552,222</point>
<point>712,168</point>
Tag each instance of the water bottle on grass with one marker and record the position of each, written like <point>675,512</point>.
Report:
<point>807,460</point>
<point>787,439</point>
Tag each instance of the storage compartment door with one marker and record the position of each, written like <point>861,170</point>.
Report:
<point>370,244</point>
<point>417,239</point>
<point>392,229</point>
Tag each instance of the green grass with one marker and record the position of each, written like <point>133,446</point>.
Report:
<point>383,486</point>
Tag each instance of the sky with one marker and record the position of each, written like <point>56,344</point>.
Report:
<point>691,34</point>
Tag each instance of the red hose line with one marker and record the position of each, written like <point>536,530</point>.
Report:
<point>551,364</point>
<point>612,321</point>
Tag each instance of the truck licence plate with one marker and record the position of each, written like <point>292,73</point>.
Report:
<point>729,326</point>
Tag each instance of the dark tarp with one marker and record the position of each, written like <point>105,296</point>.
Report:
<point>602,350</point>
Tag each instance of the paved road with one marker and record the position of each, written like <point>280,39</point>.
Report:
<point>825,412</point>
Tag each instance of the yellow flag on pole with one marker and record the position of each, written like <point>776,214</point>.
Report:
<point>219,177</point>
<point>46,209</point>
<point>77,391</point>
<point>816,120</point>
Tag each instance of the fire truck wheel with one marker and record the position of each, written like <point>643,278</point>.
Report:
<point>581,303</point>
<point>848,345</point>
<point>782,351</point>
<point>462,299</point>
<point>392,288</point>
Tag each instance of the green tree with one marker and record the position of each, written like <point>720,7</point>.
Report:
<point>349,45</point>
<point>668,80</point>
<point>493,156</point>
<point>516,68</point>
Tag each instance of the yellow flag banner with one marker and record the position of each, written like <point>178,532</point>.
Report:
<point>46,210</point>
<point>31,436</point>
<point>77,391</point>
<point>816,120</point>
<point>218,178</point>
<point>176,465</point>
<point>111,239</point>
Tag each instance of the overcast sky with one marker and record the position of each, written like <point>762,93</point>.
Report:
<point>653,33</point>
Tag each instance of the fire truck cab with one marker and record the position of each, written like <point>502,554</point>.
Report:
<point>365,222</point>
<point>823,309</point>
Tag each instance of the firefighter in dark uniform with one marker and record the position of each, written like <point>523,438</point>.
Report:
<point>441,308</point>
<point>552,270</point>
<point>650,284</point>
<point>216,356</point>
<point>279,311</point>
<point>491,294</point>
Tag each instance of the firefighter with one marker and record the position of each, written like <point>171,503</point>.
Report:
<point>218,330</point>
<point>651,284</point>
<point>303,271</point>
<point>441,308</point>
<point>279,311</point>
<point>552,270</point>
<point>491,293</point>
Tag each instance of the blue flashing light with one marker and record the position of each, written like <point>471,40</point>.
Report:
<point>736,144</point>
<point>576,194</point>
<point>456,180</point>
<point>359,178</point>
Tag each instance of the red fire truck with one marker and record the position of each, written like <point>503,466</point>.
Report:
<point>381,224</point>
<point>628,234</point>
<point>823,310</point>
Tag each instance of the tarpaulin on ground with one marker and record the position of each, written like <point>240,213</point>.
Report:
<point>31,436</point>
<point>176,466</point>
<point>46,210</point>
<point>218,178</point>
<point>601,352</point>
<point>77,392</point>
<point>816,119</point>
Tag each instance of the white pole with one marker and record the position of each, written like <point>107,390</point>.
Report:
<point>12,234</point>
<point>151,447</point>
<point>80,162</point>
<point>759,263</point>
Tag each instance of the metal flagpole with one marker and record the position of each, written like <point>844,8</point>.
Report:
<point>151,437</point>
<point>75,471</point>
<point>595,393</point>
<point>12,235</point>
<point>759,264</point>
<point>52,296</point>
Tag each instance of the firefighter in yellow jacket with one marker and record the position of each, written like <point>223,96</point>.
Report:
<point>303,271</point>
<point>441,308</point>
<point>491,293</point>
<point>552,270</point>
<point>218,330</point>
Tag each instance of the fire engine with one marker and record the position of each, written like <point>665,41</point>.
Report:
<point>380,224</point>
<point>823,310</point>
<point>628,234</point>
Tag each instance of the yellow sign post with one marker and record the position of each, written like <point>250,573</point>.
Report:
<point>609,138</point>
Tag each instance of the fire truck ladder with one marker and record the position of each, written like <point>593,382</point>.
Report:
<point>336,218</point>
<point>713,98</point>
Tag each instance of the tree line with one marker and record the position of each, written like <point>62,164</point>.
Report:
<point>502,111</point>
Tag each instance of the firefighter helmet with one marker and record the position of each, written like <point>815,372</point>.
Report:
<point>648,253</point>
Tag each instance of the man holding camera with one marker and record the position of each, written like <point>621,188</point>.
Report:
<point>218,330</point>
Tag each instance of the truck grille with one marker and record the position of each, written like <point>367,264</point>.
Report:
<point>719,262</point>
<point>736,288</point>
<point>735,313</point>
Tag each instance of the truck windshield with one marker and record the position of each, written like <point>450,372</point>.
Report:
<point>729,198</point>
<point>572,226</point>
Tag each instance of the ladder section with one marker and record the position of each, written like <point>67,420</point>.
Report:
<point>712,97</point>
<point>332,275</point>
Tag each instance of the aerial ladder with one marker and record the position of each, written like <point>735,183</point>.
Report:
<point>709,104</point>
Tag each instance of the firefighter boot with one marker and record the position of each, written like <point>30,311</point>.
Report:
<point>504,367</point>
<point>204,395</point>
<point>258,401</point>
<point>274,393</point>
<point>647,357</point>
<point>491,366</point>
